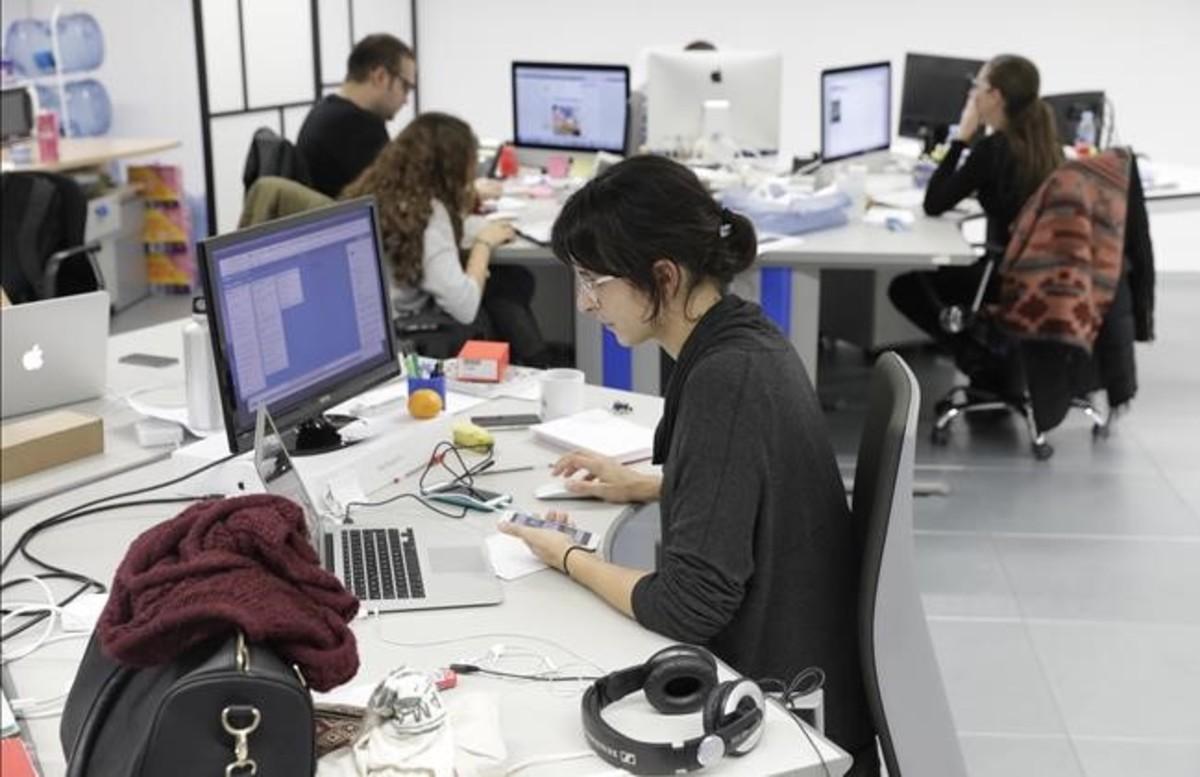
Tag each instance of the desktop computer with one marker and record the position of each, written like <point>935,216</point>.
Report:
<point>856,110</point>
<point>935,91</point>
<point>300,318</point>
<point>692,94</point>
<point>1069,108</point>
<point>569,108</point>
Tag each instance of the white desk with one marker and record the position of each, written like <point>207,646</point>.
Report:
<point>121,449</point>
<point>536,720</point>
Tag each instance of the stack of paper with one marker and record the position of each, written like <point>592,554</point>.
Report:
<point>598,431</point>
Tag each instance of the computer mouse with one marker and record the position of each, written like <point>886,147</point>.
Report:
<point>557,490</point>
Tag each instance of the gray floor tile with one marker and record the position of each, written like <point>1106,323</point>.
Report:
<point>1154,581</point>
<point>961,575</point>
<point>1121,758</point>
<point>1007,756</point>
<point>1052,501</point>
<point>992,678</point>
<point>1120,680</point>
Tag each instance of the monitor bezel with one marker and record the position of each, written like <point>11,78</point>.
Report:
<point>287,416</point>
<point>569,66</point>
<point>887,143</point>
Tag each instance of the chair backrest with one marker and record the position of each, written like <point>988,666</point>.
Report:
<point>43,213</point>
<point>272,154</point>
<point>904,687</point>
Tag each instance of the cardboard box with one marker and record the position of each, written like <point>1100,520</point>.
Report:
<point>483,361</point>
<point>40,443</point>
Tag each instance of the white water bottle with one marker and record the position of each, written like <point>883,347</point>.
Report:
<point>200,373</point>
<point>1085,131</point>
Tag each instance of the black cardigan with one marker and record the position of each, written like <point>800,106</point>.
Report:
<point>989,173</point>
<point>759,561</point>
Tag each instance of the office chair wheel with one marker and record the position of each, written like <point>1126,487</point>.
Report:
<point>1042,450</point>
<point>939,436</point>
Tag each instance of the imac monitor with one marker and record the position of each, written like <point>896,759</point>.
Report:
<point>678,83</point>
<point>856,108</point>
<point>570,107</point>
<point>935,91</point>
<point>16,114</point>
<point>1069,108</point>
<point>299,314</point>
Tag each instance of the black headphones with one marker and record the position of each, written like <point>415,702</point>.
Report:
<point>676,680</point>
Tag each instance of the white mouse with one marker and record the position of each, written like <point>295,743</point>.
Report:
<point>557,490</point>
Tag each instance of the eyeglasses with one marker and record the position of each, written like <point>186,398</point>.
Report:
<point>409,86</point>
<point>588,284</point>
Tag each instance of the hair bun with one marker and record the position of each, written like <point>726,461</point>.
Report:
<point>736,247</point>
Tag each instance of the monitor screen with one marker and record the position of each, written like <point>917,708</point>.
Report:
<point>935,91</point>
<point>679,83</point>
<point>1068,110</point>
<point>16,114</point>
<point>299,314</point>
<point>856,108</point>
<point>575,107</point>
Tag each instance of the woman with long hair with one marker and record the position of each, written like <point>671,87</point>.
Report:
<point>1002,169</point>
<point>440,255</point>
<point>759,560</point>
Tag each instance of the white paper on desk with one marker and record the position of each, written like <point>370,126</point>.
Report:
<point>880,216</point>
<point>901,198</point>
<point>511,557</point>
<point>781,243</point>
<point>392,396</point>
<point>172,413</point>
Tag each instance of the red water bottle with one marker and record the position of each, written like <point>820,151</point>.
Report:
<point>506,165</point>
<point>47,136</point>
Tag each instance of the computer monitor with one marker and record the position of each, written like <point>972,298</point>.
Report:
<point>16,114</point>
<point>678,83</point>
<point>1068,108</point>
<point>299,314</point>
<point>856,110</point>
<point>570,107</point>
<point>935,91</point>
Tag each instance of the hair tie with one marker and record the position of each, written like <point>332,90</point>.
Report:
<point>726,223</point>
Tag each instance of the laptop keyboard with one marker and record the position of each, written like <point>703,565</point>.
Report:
<point>380,563</point>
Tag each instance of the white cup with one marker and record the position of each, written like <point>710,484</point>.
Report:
<point>562,393</point>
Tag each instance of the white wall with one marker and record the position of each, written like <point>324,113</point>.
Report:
<point>1145,55</point>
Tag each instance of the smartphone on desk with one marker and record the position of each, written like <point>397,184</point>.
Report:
<point>514,421</point>
<point>462,495</point>
<point>578,536</point>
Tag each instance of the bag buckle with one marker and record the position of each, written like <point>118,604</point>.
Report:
<point>243,765</point>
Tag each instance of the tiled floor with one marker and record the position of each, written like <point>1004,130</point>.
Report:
<point>1064,596</point>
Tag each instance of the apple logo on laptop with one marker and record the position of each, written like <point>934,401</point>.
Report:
<point>32,359</point>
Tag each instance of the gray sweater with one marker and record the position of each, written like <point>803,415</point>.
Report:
<point>759,561</point>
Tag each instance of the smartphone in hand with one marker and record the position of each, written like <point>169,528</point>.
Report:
<point>578,536</point>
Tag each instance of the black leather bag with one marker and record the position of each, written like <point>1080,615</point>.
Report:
<point>224,708</point>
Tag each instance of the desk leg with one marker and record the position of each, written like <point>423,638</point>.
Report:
<point>806,316</point>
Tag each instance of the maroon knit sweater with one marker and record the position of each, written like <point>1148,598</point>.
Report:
<point>243,563</point>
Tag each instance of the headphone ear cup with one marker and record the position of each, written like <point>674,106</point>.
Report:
<point>679,679</point>
<point>714,705</point>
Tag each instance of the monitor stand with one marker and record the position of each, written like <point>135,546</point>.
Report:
<point>319,434</point>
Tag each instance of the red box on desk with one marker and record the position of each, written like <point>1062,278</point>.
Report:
<point>483,361</point>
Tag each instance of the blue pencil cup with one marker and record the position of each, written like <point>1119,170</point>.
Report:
<point>437,384</point>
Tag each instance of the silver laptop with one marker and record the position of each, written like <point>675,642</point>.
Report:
<point>54,352</point>
<point>388,568</point>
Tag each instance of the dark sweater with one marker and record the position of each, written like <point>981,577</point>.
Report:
<point>759,561</point>
<point>338,141</point>
<point>989,173</point>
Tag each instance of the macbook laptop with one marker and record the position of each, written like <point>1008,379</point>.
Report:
<point>54,352</point>
<point>388,568</point>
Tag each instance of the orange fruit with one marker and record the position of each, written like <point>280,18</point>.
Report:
<point>424,403</point>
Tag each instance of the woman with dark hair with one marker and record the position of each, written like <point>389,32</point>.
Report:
<point>1002,169</point>
<point>440,255</point>
<point>759,560</point>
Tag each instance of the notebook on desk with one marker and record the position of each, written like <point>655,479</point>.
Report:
<point>598,431</point>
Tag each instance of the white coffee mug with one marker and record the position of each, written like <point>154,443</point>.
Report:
<point>562,393</point>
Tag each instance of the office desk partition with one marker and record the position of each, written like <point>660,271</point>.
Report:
<point>543,613</point>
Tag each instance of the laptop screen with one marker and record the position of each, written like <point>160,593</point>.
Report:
<point>279,475</point>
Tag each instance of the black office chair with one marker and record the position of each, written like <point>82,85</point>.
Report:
<point>42,243</point>
<point>272,154</point>
<point>900,671</point>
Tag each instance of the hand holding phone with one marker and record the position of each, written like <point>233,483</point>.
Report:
<point>577,535</point>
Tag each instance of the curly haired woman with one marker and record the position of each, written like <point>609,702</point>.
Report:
<point>423,182</point>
